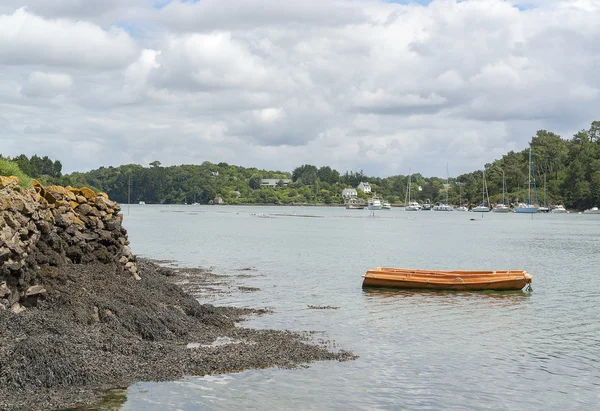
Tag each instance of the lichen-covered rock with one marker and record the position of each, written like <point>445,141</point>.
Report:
<point>42,228</point>
<point>8,181</point>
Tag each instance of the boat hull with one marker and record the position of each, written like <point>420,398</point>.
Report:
<point>446,280</point>
<point>525,210</point>
<point>501,210</point>
<point>480,210</point>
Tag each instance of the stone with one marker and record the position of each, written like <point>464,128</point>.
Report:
<point>17,308</point>
<point>87,193</point>
<point>35,290</point>
<point>129,265</point>
<point>2,306</point>
<point>81,199</point>
<point>4,290</point>
<point>122,260</point>
<point>8,181</point>
<point>84,208</point>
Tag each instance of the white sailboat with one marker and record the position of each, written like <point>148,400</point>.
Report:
<point>460,207</point>
<point>482,208</point>
<point>527,208</point>
<point>544,207</point>
<point>410,205</point>
<point>444,206</point>
<point>502,207</point>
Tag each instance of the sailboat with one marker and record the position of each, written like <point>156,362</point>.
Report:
<point>460,207</point>
<point>410,205</point>
<point>502,207</point>
<point>527,208</point>
<point>544,207</point>
<point>482,208</point>
<point>441,206</point>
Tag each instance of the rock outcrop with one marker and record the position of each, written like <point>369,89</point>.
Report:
<point>42,228</point>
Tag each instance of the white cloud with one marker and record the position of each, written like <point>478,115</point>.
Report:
<point>42,84</point>
<point>26,38</point>
<point>357,84</point>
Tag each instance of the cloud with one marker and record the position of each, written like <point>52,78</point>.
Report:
<point>42,84</point>
<point>27,39</point>
<point>210,15</point>
<point>355,84</point>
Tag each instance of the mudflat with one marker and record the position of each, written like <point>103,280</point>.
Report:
<point>97,329</point>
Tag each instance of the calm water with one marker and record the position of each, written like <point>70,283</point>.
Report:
<point>418,350</point>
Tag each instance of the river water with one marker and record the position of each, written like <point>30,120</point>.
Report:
<point>417,350</point>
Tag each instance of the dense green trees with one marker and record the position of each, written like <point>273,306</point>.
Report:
<point>570,169</point>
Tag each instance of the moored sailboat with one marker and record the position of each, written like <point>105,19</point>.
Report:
<point>502,207</point>
<point>410,205</point>
<point>482,208</point>
<point>444,206</point>
<point>527,208</point>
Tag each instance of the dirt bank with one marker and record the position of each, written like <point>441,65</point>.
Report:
<point>97,329</point>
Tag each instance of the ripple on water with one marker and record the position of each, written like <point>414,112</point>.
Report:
<point>418,350</point>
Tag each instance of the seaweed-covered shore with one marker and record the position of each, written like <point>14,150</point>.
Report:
<point>97,329</point>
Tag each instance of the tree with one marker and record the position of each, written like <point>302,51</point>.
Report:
<point>155,164</point>
<point>255,182</point>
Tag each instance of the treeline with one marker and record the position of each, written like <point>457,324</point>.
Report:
<point>565,172</point>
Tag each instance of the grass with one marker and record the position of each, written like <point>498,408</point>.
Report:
<point>8,168</point>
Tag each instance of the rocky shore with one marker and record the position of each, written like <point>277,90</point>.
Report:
<point>79,314</point>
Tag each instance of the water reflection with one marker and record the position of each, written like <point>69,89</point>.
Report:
<point>438,296</point>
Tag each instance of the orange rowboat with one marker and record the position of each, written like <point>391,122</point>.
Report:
<point>446,280</point>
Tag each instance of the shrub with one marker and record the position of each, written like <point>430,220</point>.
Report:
<point>9,168</point>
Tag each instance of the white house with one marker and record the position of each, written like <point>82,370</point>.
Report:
<point>349,192</point>
<point>272,182</point>
<point>365,187</point>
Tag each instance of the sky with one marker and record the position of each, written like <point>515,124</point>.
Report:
<point>372,85</point>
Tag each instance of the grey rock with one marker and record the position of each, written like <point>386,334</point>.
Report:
<point>35,290</point>
<point>4,290</point>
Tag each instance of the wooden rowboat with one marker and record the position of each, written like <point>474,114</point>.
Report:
<point>499,280</point>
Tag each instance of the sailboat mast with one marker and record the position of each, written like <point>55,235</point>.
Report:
<point>483,188</point>
<point>529,178</point>
<point>503,188</point>
<point>447,183</point>
<point>409,184</point>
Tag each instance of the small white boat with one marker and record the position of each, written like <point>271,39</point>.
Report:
<point>501,208</point>
<point>559,209</point>
<point>593,210</point>
<point>426,206</point>
<point>461,208</point>
<point>442,207</point>
<point>543,209</point>
<point>481,208</point>
<point>374,203</point>
<point>385,205</point>
<point>142,203</point>
<point>413,206</point>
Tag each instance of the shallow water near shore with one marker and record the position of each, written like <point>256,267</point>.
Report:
<point>418,350</point>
